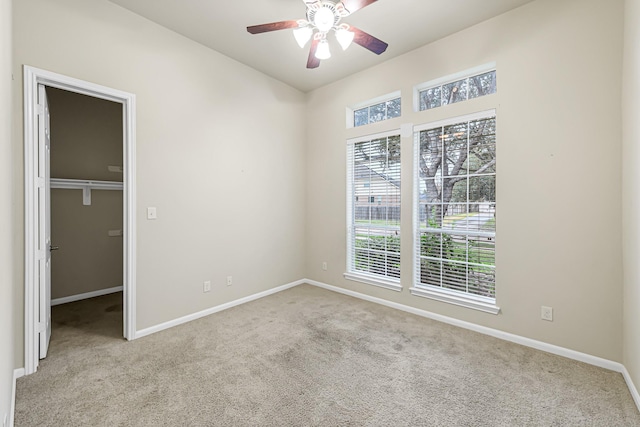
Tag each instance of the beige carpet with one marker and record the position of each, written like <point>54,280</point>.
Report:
<point>307,357</point>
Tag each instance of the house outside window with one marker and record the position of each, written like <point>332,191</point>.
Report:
<point>373,210</point>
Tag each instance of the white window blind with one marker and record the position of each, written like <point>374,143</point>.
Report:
<point>373,207</point>
<point>455,202</point>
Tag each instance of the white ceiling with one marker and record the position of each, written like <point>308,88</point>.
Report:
<point>404,24</point>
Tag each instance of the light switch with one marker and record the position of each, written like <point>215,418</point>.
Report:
<point>151,213</point>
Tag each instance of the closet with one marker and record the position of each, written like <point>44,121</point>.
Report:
<point>86,196</point>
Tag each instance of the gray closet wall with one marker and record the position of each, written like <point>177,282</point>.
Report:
<point>86,138</point>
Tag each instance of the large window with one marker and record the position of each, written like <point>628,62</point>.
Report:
<point>373,210</point>
<point>455,202</point>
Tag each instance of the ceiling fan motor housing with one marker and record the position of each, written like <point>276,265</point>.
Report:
<point>320,13</point>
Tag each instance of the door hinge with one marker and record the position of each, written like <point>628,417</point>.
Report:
<point>42,327</point>
<point>39,109</point>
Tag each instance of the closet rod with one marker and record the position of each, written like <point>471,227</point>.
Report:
<point>86,186</point>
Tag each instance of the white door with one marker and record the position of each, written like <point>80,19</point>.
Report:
<point>44,222</point>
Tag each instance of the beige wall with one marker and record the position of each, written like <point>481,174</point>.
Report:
<point>86,137</point>
<point>631,189</point>
<point>7,280</point>
<point>220,153</point>
<point>558,186</point>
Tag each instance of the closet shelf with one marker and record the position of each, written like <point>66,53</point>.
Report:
<point>86,186</point>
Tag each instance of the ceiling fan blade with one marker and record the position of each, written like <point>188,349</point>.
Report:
<point>353,5</point>
<point>313,62</point>
<point>274,26</point>
<point>366,40</point>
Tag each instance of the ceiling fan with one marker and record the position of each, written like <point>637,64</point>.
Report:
<point>322,17</point>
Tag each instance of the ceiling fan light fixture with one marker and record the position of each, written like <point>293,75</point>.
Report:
<point>323,52</point>
<point>324,16</point>
<point>302,35</point>
<point>324,19</point>
<point>344,37</point>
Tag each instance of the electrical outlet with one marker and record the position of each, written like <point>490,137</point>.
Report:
<point>206,286</point>
<point>229,280</point>
<point>324,265</point>
<point>546,313</point>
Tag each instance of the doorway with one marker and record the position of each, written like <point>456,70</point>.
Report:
<point>86,211</point>
<point>38,205</point>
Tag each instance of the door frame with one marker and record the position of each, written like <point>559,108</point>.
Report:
<point>32,78</point>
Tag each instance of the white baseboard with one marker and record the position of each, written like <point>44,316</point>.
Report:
<point>17,373</point>
<point>203,313</point>
<point>86,295</point>
<point>539,345</point>
<point>632,387</point>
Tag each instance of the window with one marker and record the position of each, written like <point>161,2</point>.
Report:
<point>456,88</point>
<point>455,210</point>
<point>377,112</point>
<point>373,242</point>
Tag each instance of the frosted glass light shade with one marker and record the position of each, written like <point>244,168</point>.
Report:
<point>302,35</point>
<point>323,52</point>
<point>344,37</point>
<point>324,19</point>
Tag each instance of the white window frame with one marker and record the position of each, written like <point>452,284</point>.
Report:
<point>370,279</point>
<point>476,302</point>
<point>350,111</point>
<point>471,72</point>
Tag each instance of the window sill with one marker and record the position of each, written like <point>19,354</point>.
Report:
<point>375,281</point>
<point>457,299</point>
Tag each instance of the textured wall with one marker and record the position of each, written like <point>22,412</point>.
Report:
<point>558,186</point>
<point>631,190</point>
<point>86,137</point>
<point>220,153</point>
